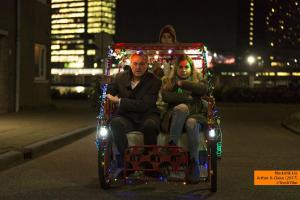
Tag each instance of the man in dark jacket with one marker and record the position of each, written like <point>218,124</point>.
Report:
<point>135,92</point>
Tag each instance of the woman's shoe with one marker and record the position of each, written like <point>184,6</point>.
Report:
<point>194,172</point>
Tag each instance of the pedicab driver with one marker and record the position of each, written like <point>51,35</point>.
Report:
<point>135,92</point>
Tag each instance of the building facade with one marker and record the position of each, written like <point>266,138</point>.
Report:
<point>268,45</point>
<point>24,54</point>
<point>270,31</point>
<point>81,31</point>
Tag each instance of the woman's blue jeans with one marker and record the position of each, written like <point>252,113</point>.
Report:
<point>180,122</point>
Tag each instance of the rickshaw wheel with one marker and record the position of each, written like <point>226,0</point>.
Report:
<point>104,162</point>
<point>213,167</point>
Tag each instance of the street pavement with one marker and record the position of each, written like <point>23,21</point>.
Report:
<point>31,133</point>
<point>253,140</point>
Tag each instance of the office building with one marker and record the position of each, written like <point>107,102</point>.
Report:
<point>269,30</point>
<point>81,31</point>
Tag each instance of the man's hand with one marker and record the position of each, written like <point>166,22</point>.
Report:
<point>114,99</point>
<point>179,83</point>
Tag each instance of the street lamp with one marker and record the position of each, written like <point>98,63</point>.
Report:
<point>251,60</point>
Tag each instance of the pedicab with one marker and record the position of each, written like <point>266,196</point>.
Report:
<point>162,160</point>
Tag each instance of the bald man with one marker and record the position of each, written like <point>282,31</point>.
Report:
<point>135,92</point>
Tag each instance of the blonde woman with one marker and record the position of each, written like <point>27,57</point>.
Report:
<point>182,90</point>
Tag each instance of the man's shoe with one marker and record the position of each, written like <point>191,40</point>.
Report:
<point>117,173</point>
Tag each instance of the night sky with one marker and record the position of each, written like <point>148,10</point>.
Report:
<point>211,22</point>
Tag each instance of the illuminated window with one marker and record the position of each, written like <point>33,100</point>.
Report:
<point>60,26</point>
<point>64,36</point>
<point>95,9</point>
<point>283,73</point>
<point>94,30</point>
<point>94,25</point>
<point>53,47</point>
<point>78,4</point>
<point>277,64</point>
<point>71,10</point>
<point>91,52</point>
<point>62,5</point>
<point>70,15</point>
<point>271,73</point>
<point>80,30</point>
<point>40,62</point>
<point>69,58</point>
<point>94,3</point>
<point>62,21</point>
<point>92,19</point>
<point>75,65</point>
<point>68,52</point>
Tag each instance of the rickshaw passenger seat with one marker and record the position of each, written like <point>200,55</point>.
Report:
<point>137,138</point>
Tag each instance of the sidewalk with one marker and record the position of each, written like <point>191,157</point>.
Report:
<point>27,134</point>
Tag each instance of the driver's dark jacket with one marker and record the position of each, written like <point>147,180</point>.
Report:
<point>137,103</point>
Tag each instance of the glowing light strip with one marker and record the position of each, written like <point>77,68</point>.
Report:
<point>58,71</point>
<point>63,1</point>
<point>283,74</point>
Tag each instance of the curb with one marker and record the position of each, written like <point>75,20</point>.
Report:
<point>291,128</point>
<point>13,158</point>
<point>10,159</point>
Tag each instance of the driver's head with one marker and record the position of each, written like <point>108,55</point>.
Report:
<point>167,35</point>
<point>138,64</point>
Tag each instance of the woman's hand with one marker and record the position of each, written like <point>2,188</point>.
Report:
<point>114,99</point>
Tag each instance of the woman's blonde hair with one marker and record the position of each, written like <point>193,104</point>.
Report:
<point>168,82</point>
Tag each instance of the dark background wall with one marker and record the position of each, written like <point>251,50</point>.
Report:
<point>7,55</point>
<point>35,29</point>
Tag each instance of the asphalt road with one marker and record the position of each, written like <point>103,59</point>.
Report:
<point>253,140</point>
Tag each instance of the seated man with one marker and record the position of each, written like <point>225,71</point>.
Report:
<point>135,92</point>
